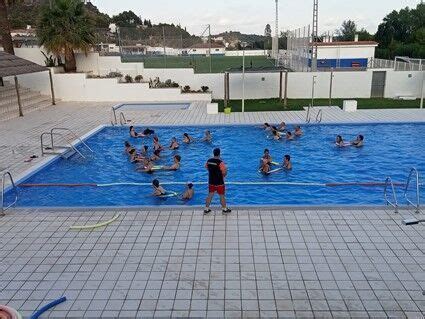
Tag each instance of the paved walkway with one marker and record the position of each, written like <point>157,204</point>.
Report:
<point>179,263</point>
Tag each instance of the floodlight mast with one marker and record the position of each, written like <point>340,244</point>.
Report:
<point>277,34</point>
<point>314,35</point>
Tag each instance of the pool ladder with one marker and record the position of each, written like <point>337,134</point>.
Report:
<point>15,189</point>
<point>318,118</point>
<point>123,121</point>
<point>63,148</point>
<point>414,174</point>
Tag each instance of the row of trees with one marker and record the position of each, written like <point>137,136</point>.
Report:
<point>402,33</point>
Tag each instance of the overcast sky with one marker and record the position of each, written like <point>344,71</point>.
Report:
<point>251,16</point>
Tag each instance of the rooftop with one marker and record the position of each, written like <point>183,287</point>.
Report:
<point>348,43</point>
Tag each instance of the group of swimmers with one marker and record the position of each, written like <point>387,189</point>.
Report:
<point>280,131</point>
<point>147,163</point>
<point>266,163</point>
<point>358,142</point>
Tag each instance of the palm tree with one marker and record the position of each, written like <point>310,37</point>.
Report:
<point>64,27</point>
<point>5,28</point>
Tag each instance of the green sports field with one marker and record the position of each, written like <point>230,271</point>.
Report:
<point>201,64</point>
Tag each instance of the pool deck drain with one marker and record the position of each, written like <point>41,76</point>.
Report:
<point>254,262</point>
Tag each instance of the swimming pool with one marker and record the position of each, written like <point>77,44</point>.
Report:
<point>390,150</point>
<point>152,106</point>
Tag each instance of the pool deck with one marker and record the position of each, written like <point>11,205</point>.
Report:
<point>252,263</point>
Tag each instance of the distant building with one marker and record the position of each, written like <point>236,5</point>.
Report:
<point>344,54</point>
<point>204,49</point>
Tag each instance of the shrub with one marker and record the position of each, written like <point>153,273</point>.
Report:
<point>204,88</point>
<point>168,83</point>
<point>138,78</point>
<point>186,89</point>
<point>114,74</point>
<point>128,79</point>
<point>49,61</point>
<point>175,85</point>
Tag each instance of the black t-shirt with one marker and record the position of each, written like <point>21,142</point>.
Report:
<point>215,174</point>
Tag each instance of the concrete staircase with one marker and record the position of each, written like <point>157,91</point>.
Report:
<point>31,101</point>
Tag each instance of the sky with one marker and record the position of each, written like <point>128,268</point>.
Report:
<point>251,16</point>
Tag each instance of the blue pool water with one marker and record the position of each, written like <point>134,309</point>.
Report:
<point>390,150</point>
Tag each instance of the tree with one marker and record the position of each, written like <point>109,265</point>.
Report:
<point>65,27</point>
<point>347,31</point>
<point>5,28</point>
<point>127,19</point>
<point>402,33</point>
<point>268,30</point>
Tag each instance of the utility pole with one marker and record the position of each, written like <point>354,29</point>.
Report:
<point>209,40</point>
<point>277,34</point>
<point>314,35</point>
<point>165,51</point>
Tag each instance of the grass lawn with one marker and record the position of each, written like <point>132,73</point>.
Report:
<point>201,64</point>
<point>298,104</point>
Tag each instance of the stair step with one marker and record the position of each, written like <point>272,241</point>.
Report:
<point>13,112</point>
<point>25,98</point>
<point>12,93</point>
<point>25,102</point>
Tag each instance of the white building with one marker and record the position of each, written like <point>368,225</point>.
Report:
<point>346,54</point>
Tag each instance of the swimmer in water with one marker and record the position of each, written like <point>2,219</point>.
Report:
<point>156,145</point>
<point>155,156</point>
<point>158,190</point>
<point>127,147</point>
<point>176,164</point>
<point>187,138</point>
<point>174,144</point>
<point>189,192</point>
<point>266,156</point>
<point>265,167</point>
<point>282,126</point>
<point>266,127</point>
<point>207,136</point>
<point>340,142</point>
<point>134,157</point>
<point>298,131</point>
<point>358,142</point>
<point>276,135</point>
<point>289,136</point>
<point>287,164</point>
<point>133,133</point>
<point>144,151</point>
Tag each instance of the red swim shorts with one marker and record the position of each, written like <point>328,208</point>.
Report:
<point>220,189</point>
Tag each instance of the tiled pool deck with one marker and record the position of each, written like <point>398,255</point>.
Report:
<point>303,263</point>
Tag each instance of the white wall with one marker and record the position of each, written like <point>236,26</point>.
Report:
<point>102,65</point>
<point>398,83</point>
<point>31,54</point>
<point>247,53</point>
<point>345,52</point>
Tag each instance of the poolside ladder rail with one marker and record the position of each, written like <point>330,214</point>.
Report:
<point>123,120</point>
<point>308,117</point>
<point>319,116</point>
<point>70,145</point>
<point>389,182</point>
<point>413,173</point>
<point>3,182</point>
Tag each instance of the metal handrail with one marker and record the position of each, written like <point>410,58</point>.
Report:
<point>2,208</point>
<point>319,116</point>
<point>389,182</point>
<point>73,133</point>
<point>413,172</point>
<point>52,144</point>
<point>308,119</point>
<point>123,120</point>
<point>115,121</point>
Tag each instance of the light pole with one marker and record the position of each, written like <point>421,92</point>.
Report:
<point>312,90</point>
<point>243,44</point>
<point>423,89</point>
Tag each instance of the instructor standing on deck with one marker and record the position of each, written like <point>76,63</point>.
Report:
<point>217,171</point>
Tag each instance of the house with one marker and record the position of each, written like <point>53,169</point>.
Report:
<point>344,54</point>
<point>204,49</point>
